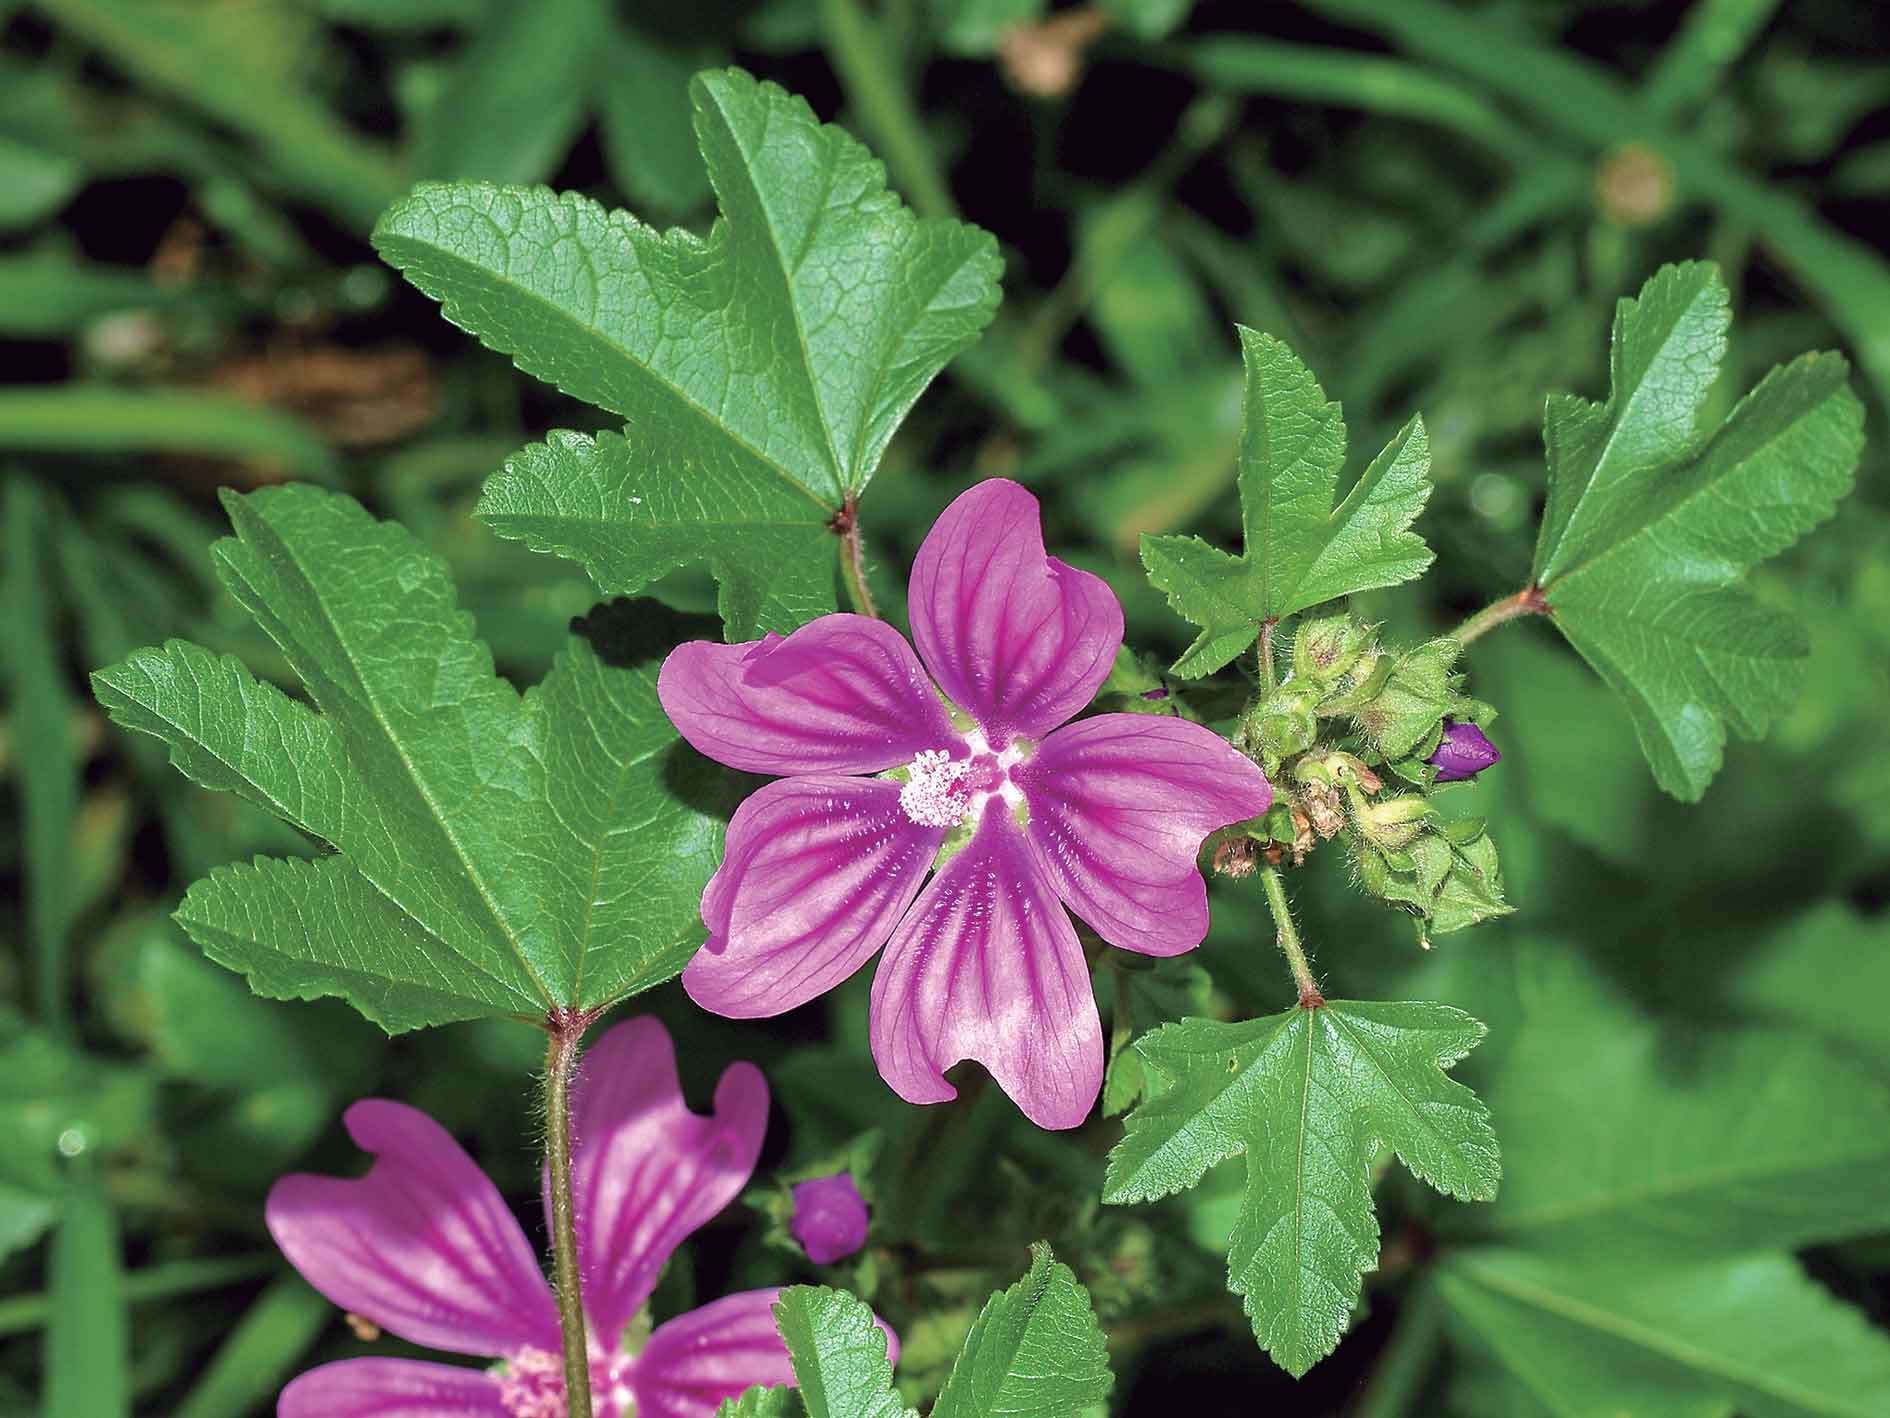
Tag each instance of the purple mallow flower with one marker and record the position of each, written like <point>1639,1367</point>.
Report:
<point>1463,753</point>
<point>824,866</point>
<point>829,1218</point>
<point>425,1248</point>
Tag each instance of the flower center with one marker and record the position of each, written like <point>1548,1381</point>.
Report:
<point>942,791</point>
<point>531,1385</point>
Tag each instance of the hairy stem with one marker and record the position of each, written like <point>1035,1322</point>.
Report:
<point>1528,601</point>
<point>846,526</point>
<point>1269,681</point>
<point>567,1027</point>
<point>1287,934</point>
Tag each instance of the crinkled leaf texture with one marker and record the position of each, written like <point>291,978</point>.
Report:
<point>495,853</point>
<point>1035,1351</point>
<point>1299,549</point>
<point>761,1402</point>
<point>1653,521</point>
<point>839,1355</point>
<point>1600,1334</point>
<point>1308,1096</point>
<point>762,371</point>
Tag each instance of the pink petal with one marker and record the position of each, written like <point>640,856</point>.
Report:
<point>1119,806</point>
<point>1014,637</point>
<point>645,1171</point>
<point>844,694</point>
<point>391,1388</point>
<point>818,872</point>
<point>698,1359</point>
<point>987,967</point>
<point>423,1245</point>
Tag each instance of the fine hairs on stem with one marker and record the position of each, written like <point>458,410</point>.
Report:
<point>567,1029</point>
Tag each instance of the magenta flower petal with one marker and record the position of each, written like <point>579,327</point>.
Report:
<point>423,1245</point>
<point>645,1171</point>
<point>818,872</point>
<point>700,1358</point>
<point>987,967</point>
<point>1119,805</point>
<point>844,694</point>
<point>391,1388</point>
<point>1014,637</point>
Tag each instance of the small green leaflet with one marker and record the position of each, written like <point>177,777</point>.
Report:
<point>839,1355</point>
<point>760,1402</point>
<point>1300,549</point>
<point>1653,521</point>
<point>1309,1096</point>
<point>1035,1351</point>
<point>762,371</point>
<point>495,853</point>
<point>1599,1335</point>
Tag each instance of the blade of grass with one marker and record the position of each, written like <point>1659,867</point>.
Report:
<point>1711,39</point>
<point>21,1314</point>
<point>875,86</point>
<point>252,1363</point>
<point>87,1343</point>
<point>79,418</point>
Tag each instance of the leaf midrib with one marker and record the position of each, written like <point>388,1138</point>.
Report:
<point>1631,1331</point>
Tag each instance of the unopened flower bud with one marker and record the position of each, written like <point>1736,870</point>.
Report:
<point>829,1218</point>
<point>1327,650</point>
<point>1463,753</point>
<point>1287,724</point>
<point>1392,823</point>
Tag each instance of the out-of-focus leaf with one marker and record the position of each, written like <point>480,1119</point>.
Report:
<point>1035,1351</point>
<point>260,1353</point>
<point>558,864</point>
<point>1653,521</point>
<point>1611,1332</point>
<point>1308,1096</point>
<point>761,1402</point>
<point>87,1351</point>
<point>44,715</point>
<point>33,183</point>
<point>235,60</point>
<point>763,371</point>
<point>976,26</point>
<point>517,95</point>
<point>47,295</point>
<point>80,418</point>
<point>643,108</point>
<point>400,16</point>
<point>1299,549</point>
<point>1843,955</point>
<point>1148,19</point>
<point>839,1355</point>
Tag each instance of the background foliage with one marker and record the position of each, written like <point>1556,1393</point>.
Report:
<point>1434,205</point>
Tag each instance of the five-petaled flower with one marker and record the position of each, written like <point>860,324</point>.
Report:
<point>823,867</point>
<point>424,1247</point>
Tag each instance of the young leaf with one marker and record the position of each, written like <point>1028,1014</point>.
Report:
<point>1609,1333</point>
<point>1300,550</point>
<point>1652,523</point>
<point>1035,1351</point>
<point>1309,1096</point>
<point>762,371</point>
<point>839,1355</point>
<point>760,1402</point>
<point>498,853</point>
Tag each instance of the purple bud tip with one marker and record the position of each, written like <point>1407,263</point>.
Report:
<point>1464,753</point>
<point>1154,694</point>
<point>829,1218</point>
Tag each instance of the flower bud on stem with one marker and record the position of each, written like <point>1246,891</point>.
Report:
<point>1287,934</point>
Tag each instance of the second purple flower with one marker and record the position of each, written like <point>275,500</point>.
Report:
<point>825,866</point>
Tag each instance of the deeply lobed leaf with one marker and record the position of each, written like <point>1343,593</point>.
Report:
<point>762,370</point>
<point>1308,1096</point>
<point>498,853</point>
<point>1653,522</point>
<point>1299,549</point>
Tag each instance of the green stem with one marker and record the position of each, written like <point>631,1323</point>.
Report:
<point>846,525</point>
<point>567,1027</point>
<point>1287,934</point>
<point>1528,601</point>
<point>871,78</point>
<point>1269,681</point>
